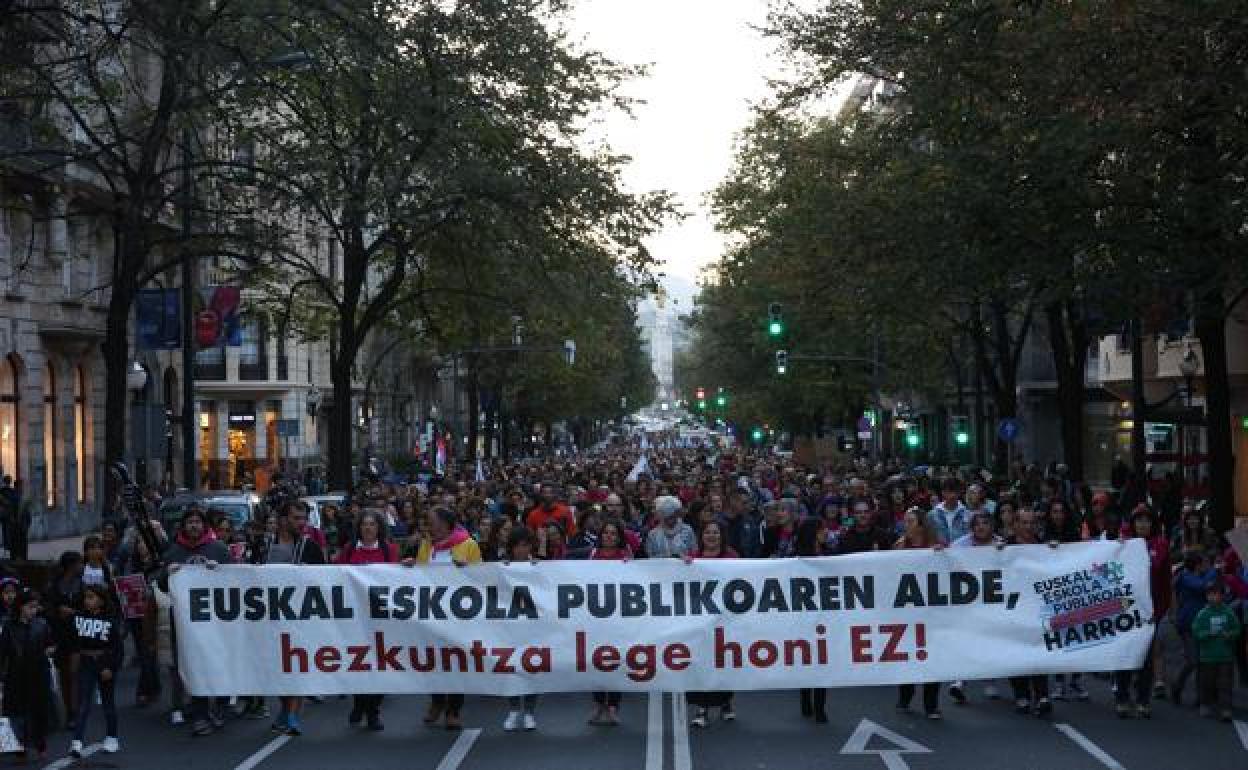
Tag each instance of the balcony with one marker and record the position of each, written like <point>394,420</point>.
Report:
<point>254,371</point>
<point>210,371</point>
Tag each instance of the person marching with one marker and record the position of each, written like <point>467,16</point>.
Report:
<point>97,640</point>
<point>372,546</point>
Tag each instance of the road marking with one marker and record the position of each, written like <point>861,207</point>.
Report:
<point>1087,745</point>
<point>892,758</point>
<point>681,758</point>
<point>654,732</point>
<point>459,749</point>
<point>64,762</point>
<point>266,751</point>
<point>1242,729</point>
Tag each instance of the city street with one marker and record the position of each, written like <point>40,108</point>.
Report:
<point>768,733</point>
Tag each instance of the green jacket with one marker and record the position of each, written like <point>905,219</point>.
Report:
<point>1216,629</point>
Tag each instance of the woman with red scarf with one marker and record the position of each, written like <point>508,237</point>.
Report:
<point>372,546</point>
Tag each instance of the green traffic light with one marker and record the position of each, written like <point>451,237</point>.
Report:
<point>912,440</point>
<point>722,400</point>
<point>758,434</point>
<point>775,328</point>
<point>962,437</point>
<point>702,404</point>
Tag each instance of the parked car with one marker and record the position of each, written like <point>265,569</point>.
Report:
<point>241,507</point>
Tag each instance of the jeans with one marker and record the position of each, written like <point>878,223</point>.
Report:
<point>1032,688</point>
<point>814,699</point>
<point>1143,678</point>
<point>527,703</point>
<point>608,699</point>
<point>931,696</point>
<point>149,669</point>
<point>368,705</point>
<point>177,690</point>
<point>89,668</point>
<point>450,704</point>
<point>1215,685</point>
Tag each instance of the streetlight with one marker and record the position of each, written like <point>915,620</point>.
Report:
<point>1189,365</point>
<point>136,377</point>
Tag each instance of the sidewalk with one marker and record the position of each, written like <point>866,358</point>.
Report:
<point>51,550</point>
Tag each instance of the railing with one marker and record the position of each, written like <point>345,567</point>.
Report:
<point>252,372</point>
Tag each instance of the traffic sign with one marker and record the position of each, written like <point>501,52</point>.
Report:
<point>1008,430</point>
<point>864,424</point>
<point>288,428</point>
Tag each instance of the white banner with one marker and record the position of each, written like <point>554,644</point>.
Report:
<point>868,619</point>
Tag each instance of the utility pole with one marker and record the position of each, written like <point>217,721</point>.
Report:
<point>189,474</point>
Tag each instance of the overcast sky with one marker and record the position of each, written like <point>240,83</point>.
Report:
<point>708,66</point>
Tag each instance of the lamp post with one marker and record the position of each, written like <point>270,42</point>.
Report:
<point>1188,367</point>
<point>136,383</point>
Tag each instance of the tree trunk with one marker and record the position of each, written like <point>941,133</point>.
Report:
<point>116,368</point>
<point>340,417</point>
<point>1211,330</point>
<point>474,409</point>
<point>1068,341</point>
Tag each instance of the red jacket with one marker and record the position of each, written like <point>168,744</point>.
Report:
<point>540,517</point>
<point>358,554</point>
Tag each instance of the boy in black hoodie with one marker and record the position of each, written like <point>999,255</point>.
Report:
<point>97,640</point>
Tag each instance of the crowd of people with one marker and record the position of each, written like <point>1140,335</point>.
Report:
<point>64,642</point>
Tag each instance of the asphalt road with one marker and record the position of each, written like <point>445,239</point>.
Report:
<point>864,732</point>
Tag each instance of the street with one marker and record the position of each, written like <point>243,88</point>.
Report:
<point>864,732</point>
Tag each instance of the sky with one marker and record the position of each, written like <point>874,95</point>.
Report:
<point>708,66</point>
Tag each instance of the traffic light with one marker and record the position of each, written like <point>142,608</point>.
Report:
<point>912,439</point>
<point>775,320</point>
<point>757,435</point>
<point>721,400</point>
<point>702,404</point>
<point>782,361</point>
<point>961,432</point>
<point>701,394</point>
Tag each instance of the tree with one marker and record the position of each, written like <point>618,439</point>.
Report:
<point>412,117</point>
<point>105,95</point>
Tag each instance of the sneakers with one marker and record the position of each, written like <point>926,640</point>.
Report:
<point>279,725</point>
<point>176,719</point>
<point>728,713</point>
<point>512,722</point>
<point>1059,691</point>
<point>1076,692</point>
<point>530,723</point>
<point>293,728</point>
<point>433,714</point>
<point>1044,707</point>
<point>216,721</point>
<point>257,709</point>
<point>599,717</point>
<point>454,722</point>
<point>957,693</point>
<point>1159,689</point>
<point>700,718</point>
<point>991,692</point>
<point>201,728</point>
<point>75,749</point>
<point>111,745</point>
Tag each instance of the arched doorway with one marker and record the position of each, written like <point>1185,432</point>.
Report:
<point>10,418</point>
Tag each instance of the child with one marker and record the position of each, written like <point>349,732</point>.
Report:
<point>520,548</point>
<point>24,645</point>
<point>97,639</point>
<point>1216,630</point>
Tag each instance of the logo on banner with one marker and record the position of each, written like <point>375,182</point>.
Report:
<point>1088,607</point>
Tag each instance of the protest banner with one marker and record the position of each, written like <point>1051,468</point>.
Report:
<point>869,619</point>
<point>132,593</point>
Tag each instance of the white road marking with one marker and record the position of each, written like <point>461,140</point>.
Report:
<point>681,758</point>
<point>266,751</point>
<point>459,750</point>
<point>654,732</point>
<point>1087,745</point>
<point>1242,729</point>
<point>892,758</point>
<point>64,762</point>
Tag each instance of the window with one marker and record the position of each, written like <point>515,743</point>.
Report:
<point>49,435</point>
<point>80,433</point>
<point>10,427</point>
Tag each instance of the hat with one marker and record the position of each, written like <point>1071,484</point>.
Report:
<point>667,506</point>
